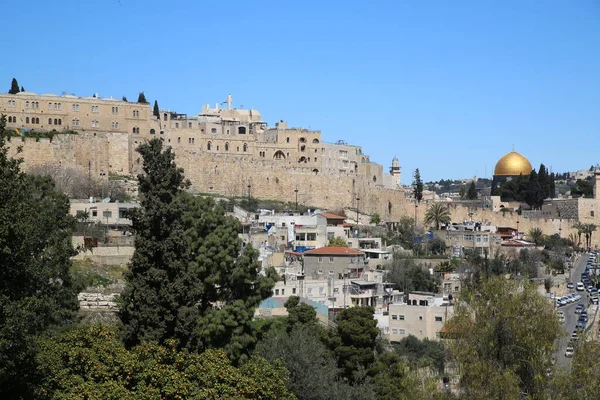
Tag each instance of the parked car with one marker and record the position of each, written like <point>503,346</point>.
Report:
<point>580,286</point>
<point>569,352</point>
<point>570,285</point>
<point>579,308</point>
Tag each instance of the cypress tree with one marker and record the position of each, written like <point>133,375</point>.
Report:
<point>156,111</point>
<point>124,99</point>
<point>22,89</point>
<point>188,259</point>
<point>544,181</point>
<point>418,186</point>
<point>14,86</point>
<point>472,192</point>
<point>142,98</point>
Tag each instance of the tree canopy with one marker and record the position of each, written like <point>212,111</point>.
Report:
<point>408,276</point>
<point>337,242</point>
<point>437,214</point>
<point>36,289</point>
<point>188,259</point>
<point>14,87</point>
<point>156,111</point>
<point>472,192</point>
<point>417,186</point>
<point>142,98</point>
<point>504,334</point>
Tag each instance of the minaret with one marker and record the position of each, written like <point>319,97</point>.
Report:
<point>395,170</point>
<point>229,101</point>
<point>596,183</point>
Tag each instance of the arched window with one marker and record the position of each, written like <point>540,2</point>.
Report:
<point>302,159</point>
<point>37,120</point>
<point>26,104</point>
<point>60,121</point>
<point>55,121</point>
<point>179,139</point>
<point>242,130</point>
<point>133,130</point>
<point>279,155</point>
<point>302,148</point>
<point>374,178</point>
<point>302,140</point>
<point>152,132</point>
<point>245,147</point>
<point>315,171</point>
<point>315,140</point>
<point>27,120</point>
<point>209,146</point>
<point>226,146</point>
<point>287,140</point>
<point>49,121</point>
<point>165,116</point>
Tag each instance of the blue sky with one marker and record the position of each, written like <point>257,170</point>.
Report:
<point>447,87</point>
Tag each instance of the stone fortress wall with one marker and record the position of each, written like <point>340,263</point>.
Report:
<point>226,150</point>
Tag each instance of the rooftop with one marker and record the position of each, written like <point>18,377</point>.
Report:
<point>332,216</point>
<point>334,251</point>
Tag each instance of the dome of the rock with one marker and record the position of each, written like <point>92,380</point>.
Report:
<point>512,164</point>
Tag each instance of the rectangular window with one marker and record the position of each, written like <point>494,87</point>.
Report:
<point>276,292</point>
<point>320,272</point>
<point>394,317</point>
<point>478,238</point>
<point>401,332</point>
<point>311,236</point>
<point>321,290</point>
<point>213,130</point>
<point>94,213</point>
<point>293,290</point>
<point>189,124</point>
<point>331,259</point>
<point>309,291</point>
<point>438,319</point>
<point>282,292</point>
<point>401,317</point>
<point>176,124</point>
<point>394,331</point>
<point>95,109</point>
<point>591,213</point>
<point>320,259</point>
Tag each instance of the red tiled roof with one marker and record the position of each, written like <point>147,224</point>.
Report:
<point>334,251</point>
<point>332,216</point>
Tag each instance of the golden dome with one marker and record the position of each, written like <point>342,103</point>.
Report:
<point>512,164</point>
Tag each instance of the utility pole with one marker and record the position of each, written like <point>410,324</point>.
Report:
<point>296,191</point>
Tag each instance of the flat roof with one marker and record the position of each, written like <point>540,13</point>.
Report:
<point>334,251</point>
<point>376,251</point>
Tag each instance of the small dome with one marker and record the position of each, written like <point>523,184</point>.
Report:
<point>512,164</point>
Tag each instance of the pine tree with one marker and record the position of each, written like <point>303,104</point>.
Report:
<point>142,98</point>
<point>14,86</point>
<point>472,192</point>
<point>156,111</point>
<point>124,99</point>
<point>36,289</point>
<point>22,89</point>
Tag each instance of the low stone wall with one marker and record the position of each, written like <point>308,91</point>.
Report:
<point>112,255</point>
<point>97,301</point>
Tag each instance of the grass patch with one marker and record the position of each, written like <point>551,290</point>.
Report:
<point>89,274</point>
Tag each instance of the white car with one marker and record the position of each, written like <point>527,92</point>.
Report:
<point>569,352</point>
<point>580,286</point>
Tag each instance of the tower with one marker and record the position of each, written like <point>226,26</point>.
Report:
<point>395,171</point>
<point>596,183</point>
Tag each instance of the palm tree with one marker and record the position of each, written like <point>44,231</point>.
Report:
<point>579,227</point>
<point>588,229</point>
<point>536,235</point>
<point>437,214</point>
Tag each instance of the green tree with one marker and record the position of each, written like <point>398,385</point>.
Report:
<point>375,219</point>
<point>422,353</point>
<point>588,230</point>
<point>417,186</point>
<point>337,242</point>
<point>37,292</point>
<point>408,276</point>
<point>504,335</point>
<point>142,98</point>
<point>392,379</point>
<point>583,379</point>
<point>14,86</point>
<point>22,89</point>
<point>156,111</point>
<point>437,214</point>
<point>300,314</point>
<point>583,188</point>
<point>536,235</point>
<point>472,192</point>
<point>354,339</point>
<point>124,99</point>
<point>90,362</point>
<point>313,371</point>
<point>189,278</point>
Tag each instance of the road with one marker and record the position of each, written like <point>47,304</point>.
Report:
<point>569,310</point>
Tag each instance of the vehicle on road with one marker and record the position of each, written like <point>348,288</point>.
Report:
<point>570,285</point>
<point>580,286</point>
<point>583,316</point>
<point>569,352</point>
<point>574,335</point>
<point>579,308</point>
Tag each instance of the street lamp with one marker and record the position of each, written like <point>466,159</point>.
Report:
<point>296,191</point>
